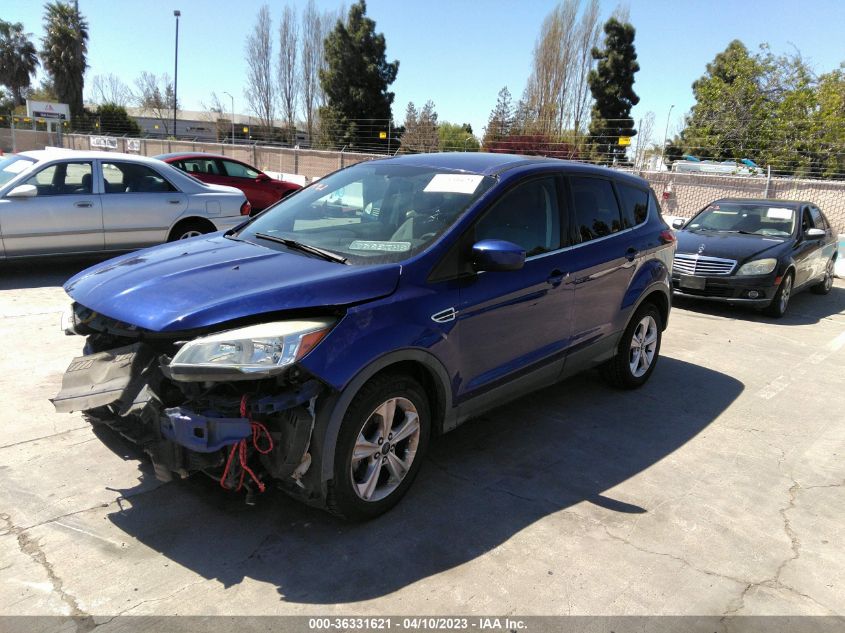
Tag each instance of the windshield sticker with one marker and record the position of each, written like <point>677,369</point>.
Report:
<point>777,213</point>
<point>453,183</point>
<point>386,247</point>
<point>726,212</point>
<point>18,166</point>
<point>319,187</point>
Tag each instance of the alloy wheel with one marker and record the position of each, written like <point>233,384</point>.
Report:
<point>643,346</point>
<point>784,293</point>
<point>385,449</point>
<point>189,234</point>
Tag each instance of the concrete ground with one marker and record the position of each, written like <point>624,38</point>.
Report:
<point>715,489</point>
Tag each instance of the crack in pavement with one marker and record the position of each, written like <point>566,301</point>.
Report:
<point>32,548</point>
<point>45,437</point>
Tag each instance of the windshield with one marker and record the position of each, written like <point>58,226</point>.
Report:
<point>749,218</point>
<point>371,213</point>
<point>11,166</point>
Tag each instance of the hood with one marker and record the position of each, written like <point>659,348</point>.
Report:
<point>201,282</point>
<point>729,245</point>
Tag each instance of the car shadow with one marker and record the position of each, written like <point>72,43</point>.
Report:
<point>20,274</point>
<point>804,308</point>
<point>479,486</point>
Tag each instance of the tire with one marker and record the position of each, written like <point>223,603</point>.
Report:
<point>367,486</point>
<point>780,302</point>
<point>638,351</point>
<point>823,287</point>
<point>189,229</point>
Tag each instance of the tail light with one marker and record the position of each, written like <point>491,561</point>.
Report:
<point>246,208</point>
<point>667,236</point>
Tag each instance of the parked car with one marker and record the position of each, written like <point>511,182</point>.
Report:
<point>260,189</point>
<point>323,353</point>
<point>59,202</point>
<point>754,252</point>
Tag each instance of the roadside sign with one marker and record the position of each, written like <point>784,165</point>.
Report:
<point>133,145</point>
<point>103,142</point>
<point>624,140</point>
<point>47,110</point>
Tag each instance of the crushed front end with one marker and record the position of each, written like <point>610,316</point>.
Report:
<point>232,404</point>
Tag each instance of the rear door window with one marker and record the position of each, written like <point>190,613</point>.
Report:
<point>238,170</point>
<point>596,210</point>
<point>132,178</point>
<point>634,205</point>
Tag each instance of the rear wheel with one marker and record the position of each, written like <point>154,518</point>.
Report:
<point>380,447</point>
<point>187,230</point>
<point>777,308</point>
<point>826,284</point>
<point>638,351</point>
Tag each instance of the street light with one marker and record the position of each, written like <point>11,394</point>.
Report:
<point>465,142</point>
<point>176,13</point>
<point>665,135</point>
<point>233,115</point>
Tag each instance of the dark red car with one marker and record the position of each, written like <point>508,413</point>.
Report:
<point>260,189</point>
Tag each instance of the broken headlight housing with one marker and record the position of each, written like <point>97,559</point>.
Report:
<point>249,353</point>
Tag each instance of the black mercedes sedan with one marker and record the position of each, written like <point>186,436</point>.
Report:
<point>754,252</point>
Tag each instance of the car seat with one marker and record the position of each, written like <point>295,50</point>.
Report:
<point>85,184</point>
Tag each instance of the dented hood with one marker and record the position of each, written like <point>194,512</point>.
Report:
<point>201,282</point>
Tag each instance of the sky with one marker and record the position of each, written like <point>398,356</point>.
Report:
<point>458,53</point>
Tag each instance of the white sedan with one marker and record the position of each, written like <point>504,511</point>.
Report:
<point>60,202</point>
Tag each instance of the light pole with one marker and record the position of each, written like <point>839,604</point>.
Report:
<point>176,13</point>
<point>665,135</point>
<point>465,142</point>
<point>233,115</point>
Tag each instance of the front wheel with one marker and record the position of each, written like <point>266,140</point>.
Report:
<point>638,351</point>
<point>380,447</point>
<point>188,230</point>
<point>777,308</point>
<point>826,284</point>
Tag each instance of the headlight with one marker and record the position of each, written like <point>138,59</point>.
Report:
<point>249,353</point>
<point>758,267</point>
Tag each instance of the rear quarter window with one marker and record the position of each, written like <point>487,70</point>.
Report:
<point>634,204</point>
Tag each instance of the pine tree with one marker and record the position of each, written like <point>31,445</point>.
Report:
<point>612,87</point>
<point>501,118</point>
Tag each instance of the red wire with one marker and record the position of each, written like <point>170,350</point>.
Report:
<point>241,447</point>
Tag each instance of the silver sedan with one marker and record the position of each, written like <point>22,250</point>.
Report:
<point>59,202</point>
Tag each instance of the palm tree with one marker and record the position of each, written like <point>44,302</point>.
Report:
<point>18,59</point>
<point>65,48</point>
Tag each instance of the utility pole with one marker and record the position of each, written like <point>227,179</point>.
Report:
<point>665,135</point>
<point>176,13</point>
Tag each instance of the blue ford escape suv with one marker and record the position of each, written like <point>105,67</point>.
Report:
<point>321,344</point>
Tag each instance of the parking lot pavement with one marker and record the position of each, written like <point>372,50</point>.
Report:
<point>715,489</point>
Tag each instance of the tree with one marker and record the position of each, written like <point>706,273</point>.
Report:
<point>110,89</point>
<point>356,81</point>
<point>501,118</point>
<point>311,61</point>
<point>644,141</point>
<point>114,119</point>
<point>457,138</point>
<point>289,77</point>
<point>155,95</point>
<point>18,59</point>
<point>260,90</point>
<point>420,133</point>
<point>726,121</point>
<point>64,52</point>
<point>830,124</point>
<point>612,87</point>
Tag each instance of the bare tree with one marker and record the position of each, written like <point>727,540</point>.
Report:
<point>110,89</point>
<point>260,91</point>
<point>644,140</point>
<point>289,72</point>
<point>589,30</point>
<point>312,54</point>
<point>220,116</point>
<point>155,96</point>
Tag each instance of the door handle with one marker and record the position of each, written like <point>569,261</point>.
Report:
<point>631,254</point>
<point>84,204</point>
<point>556,278</point>
<point>174,201</point>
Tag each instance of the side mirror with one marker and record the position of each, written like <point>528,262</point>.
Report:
<point>809,234</point>
<point>262,178</point>
<point>23,191</point>
<point>497,256</point>
<point>678,223</point>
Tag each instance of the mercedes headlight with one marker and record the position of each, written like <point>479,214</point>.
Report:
<point>248,353</point>
<point>758,267</point>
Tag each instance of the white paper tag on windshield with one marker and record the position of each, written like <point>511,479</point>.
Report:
<point>387,247</point>
<point>453,183</point>
<point>778,213</point>
<point>18,166</point>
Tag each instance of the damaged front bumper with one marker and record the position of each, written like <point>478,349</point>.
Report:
<point>198,427</point>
